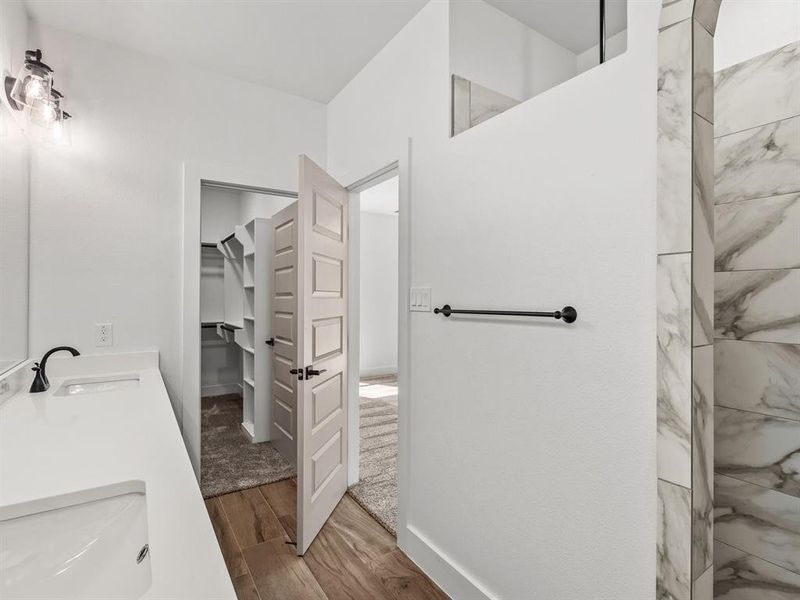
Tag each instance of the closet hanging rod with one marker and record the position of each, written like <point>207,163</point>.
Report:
<point>208,245</point>
<point>566,314</point>
<point>230,237</point>
<point>208,324</point>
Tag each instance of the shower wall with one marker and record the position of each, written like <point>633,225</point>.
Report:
<point>757,328</point>
<point>685,298</point>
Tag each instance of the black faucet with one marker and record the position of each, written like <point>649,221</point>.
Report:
<point>40,382</point>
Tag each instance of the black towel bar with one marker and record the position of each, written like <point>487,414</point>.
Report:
<point>566,314</point>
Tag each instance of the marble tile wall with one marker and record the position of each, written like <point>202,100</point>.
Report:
<point>757,328</point>
<point>685,267</point>
<point>674,569</point>
<point>761,449</point>
<point>758,234</point>
<point>759,521</point>
<point>674,360</point>
<point>758,162</point>
<point>702,232</point>
<point>702,459</point>
<point>759,305</point>
<point>675,138</point>
<point>758,377</point>
<point>742,576</point>
<point>740,91</point>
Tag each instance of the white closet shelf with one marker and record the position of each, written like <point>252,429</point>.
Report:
<point>249,382</point>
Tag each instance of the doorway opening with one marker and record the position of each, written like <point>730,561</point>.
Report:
<point>235,284</point>
<point>376,489</point>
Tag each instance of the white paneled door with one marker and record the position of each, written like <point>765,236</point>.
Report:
<point>322,350</point>
<point>283,429</point>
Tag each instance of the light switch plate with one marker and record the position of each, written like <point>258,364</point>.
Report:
<point>420,299</point>
<point>103,334</point>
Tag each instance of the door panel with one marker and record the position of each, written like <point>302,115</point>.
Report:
<point>322,343</point>
<point>283,429</point>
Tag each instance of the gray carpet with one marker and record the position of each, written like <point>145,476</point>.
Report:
<point>229,462</point>
<point>377,489</point>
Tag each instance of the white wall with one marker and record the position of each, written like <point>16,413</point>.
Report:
<point>107,213</point>
<point>14,212</point>
<point>378,291</point>
<point>532,453</point>
<point>746,29</point>
<point>499,52</point>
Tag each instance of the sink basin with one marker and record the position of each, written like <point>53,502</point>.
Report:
<point>97,385</point>
<point>90,545</point>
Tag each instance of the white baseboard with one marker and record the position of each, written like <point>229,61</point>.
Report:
<point>375,371</point>
<point>453,580</point>
<point>220,389</point>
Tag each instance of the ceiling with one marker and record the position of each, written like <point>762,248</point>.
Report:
<point>310,48</point>
<point>383,198</point>
<point>573,24</point>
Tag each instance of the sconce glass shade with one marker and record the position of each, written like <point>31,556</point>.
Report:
<point>46,113</point>
<point>34,81</point>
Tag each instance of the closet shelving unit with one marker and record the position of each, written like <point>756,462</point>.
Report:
<point>247,319</point>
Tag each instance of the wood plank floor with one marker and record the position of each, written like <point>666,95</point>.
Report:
<point>353,558</point>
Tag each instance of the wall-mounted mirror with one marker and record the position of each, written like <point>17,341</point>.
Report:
<point>13,235</point>
<point>503,52</point>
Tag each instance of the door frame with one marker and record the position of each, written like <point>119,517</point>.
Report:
<point>402,169</point>
<point>194,176</point>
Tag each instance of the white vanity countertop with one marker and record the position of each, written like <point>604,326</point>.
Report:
<point>51,445</point>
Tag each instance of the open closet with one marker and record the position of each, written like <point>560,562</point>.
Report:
<point>237,293</point>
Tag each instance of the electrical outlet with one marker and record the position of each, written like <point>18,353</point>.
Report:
<point>420,299</point>
<point>103,334</point>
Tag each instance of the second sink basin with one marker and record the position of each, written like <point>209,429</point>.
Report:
<point>91,544</point>
<point>96,385</point>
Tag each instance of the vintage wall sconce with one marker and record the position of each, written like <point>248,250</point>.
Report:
<point>32,92</point>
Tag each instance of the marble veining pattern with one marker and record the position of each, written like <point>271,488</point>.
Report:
<point>758,305</point>
<point>759,377</point>
<point>703,58</point>
<point>674,226</point>
<point>673,570</point>
<point>741,576</point>
<point>757,520</point>
<point>758,448</point>
<point>741,101</point>
<point>702,232</point>
<point>674,368</point>
<point>758,234</point>
<point>702,458</point>
<point>758,162</point>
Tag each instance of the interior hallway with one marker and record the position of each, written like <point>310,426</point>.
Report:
<point>353,557</point>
